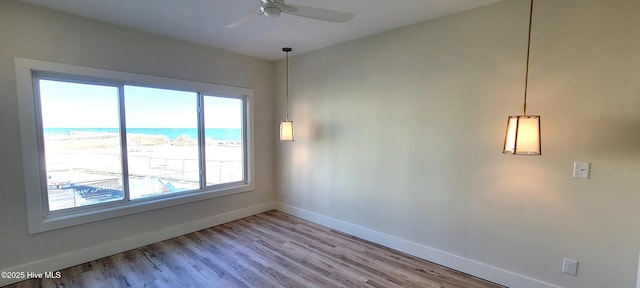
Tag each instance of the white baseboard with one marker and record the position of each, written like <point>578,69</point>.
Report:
<point>107,249</point>
<point>469,266</point>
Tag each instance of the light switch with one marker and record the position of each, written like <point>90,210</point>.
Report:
<point>581,170</point>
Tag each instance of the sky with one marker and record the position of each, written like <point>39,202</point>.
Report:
<point>75,105</point>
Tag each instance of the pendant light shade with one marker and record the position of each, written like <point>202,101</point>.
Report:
<point>523,132</point>
<point>286,126</point>
<point>523,135</point>
<point>286,131</point>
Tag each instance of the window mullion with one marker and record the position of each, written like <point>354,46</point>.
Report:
<point>245,139</point>
<point>123,144</point>
<point>202,143</point>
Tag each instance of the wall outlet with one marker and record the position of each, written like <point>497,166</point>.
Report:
<point>570,266</point>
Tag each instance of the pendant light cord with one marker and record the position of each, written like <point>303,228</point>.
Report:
<point>287,82</point>
<point>526,78</point>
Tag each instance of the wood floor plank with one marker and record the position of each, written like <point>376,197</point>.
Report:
<point>271,249</point>
<point>266,267</point>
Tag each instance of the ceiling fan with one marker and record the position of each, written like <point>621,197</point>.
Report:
<point>273,8</point>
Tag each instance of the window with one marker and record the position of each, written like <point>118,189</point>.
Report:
<point>100,144</point>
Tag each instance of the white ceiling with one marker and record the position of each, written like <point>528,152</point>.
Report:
<point>205,21</point>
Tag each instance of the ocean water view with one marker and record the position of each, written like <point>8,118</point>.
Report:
<point>224,134</point>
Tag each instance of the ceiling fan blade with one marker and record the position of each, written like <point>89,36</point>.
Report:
<point>245,19</point>
<point>318,13</point>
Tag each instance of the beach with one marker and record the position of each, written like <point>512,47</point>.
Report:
<point>84,168</point>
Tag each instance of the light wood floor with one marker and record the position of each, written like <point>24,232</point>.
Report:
<point>272,249</point>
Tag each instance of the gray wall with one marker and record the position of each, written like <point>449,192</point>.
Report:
<point>402,133</point>
<point>30,32</point>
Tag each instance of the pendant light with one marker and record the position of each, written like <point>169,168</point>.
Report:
<point>523,131</point>
<point>286,126</point>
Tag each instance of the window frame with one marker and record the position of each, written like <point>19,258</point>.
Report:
<point>40,219</point>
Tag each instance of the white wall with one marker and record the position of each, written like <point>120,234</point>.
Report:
<point>400,135</point>
<point>30,32</point>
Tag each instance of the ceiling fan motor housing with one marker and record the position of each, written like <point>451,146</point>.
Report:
<point>271,9</point>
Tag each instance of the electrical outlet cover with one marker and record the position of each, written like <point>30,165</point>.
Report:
<point>570,266</point>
